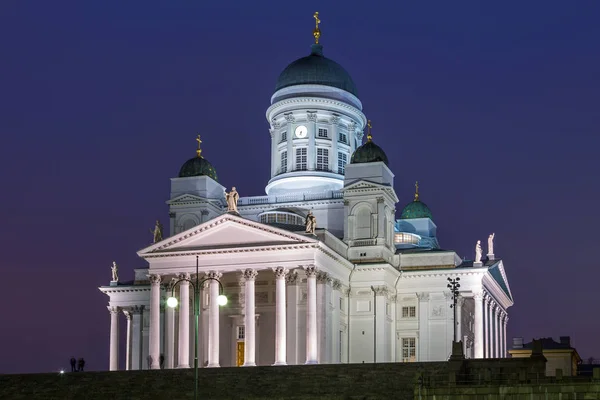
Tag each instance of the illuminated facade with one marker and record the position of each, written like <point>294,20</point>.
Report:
<point>365,287</point>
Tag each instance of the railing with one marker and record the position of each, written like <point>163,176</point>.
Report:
<point>364,242</point>
<point>290,198</point>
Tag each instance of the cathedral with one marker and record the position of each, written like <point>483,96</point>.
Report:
<point>320,269</point>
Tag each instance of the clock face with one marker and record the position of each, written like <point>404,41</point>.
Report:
<point>301,131</point>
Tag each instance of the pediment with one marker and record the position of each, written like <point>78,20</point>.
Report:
<point>364,185</point>
<point>226,231</point>
<point>187,199</point>
<point>498,274</point>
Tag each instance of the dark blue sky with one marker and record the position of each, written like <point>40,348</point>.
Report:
<point>492,106</point>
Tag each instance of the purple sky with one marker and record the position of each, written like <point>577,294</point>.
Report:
<point>492,106</point>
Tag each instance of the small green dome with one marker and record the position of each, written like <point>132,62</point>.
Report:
<point>316,69</point>
<point>369,152</point>
<point>416,209</point>
<point>198,166</point>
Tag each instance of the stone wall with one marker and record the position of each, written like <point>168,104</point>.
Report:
<point>341,381</point>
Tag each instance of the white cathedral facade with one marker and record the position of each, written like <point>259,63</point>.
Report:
<point>364,287</point>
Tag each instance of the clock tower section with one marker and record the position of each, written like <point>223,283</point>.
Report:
<point>316,123</point>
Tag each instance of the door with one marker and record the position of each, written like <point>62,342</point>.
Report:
<point>240,354</point>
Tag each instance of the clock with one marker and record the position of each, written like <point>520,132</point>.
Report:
<point>301,132</point>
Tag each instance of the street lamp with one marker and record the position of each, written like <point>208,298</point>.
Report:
<point>453,286</point>
<point>172,302</point>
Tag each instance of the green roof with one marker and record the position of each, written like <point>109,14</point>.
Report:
<point>316,69</point>
<point>416,209</point>
<point>198,166</point>
<point>369,152</point>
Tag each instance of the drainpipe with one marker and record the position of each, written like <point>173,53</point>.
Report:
<point>348,312</point>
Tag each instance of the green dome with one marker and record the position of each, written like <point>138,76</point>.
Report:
<point>198,166</point>
<point>416,209</point>
<point>369,152</point>
<point>315,69</point>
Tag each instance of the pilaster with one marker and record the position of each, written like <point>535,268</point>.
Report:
<point>423,349</point>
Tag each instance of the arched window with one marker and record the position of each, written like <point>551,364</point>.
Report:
<point>363,223</point>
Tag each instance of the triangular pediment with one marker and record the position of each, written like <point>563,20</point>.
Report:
<point>226,231</point>
<point>364,185</point>
<point>497,272</point>
<point>186,199</point>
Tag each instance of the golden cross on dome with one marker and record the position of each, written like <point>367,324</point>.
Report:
<point>199,150</point>
<point>317,31</point>
<point>369,136</point>
<point>417,191</point>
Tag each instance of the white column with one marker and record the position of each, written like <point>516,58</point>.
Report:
<point>250,319</point>
<point>114,338</point>
<point>128,341</point>
<point>154,338</point>
<point>292,320</point>
<point>136,337</point>
<point>322,352</point>
<point>478,297</point>
<point>170,337</point>
<point>311,314</point>
<point>380,318</point>
<point>497,331</point>
<point>213,320</point>
<point>487,327</point>
<point>333,157</point>
<point>504,323</point>
<point>459,305</point>
<point>335,323</point>
<point>184,322</point>
<point>423,340</point>
<point>312,144</point>
<point>280,317</point>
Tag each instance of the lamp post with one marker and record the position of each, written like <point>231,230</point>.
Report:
<point>453,285</point>
<point>172,302</point>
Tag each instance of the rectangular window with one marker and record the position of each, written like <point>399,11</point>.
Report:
<point>409,350</point>
<point>301,159</point>
<point>241,332</point>
<point>322,133</point>
<point>322,159</point>
<point>342,161</point>
<point>283,137</point>
<point>342,138</point>
<point>409,312</point>
<point>283,162</point>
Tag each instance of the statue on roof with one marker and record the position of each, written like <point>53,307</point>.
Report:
<point>157,232</point>
<point>114,270</point>
<point>232,200</point>
<point>310,223</point>
<point>478,252</point>
<point>491,243</point>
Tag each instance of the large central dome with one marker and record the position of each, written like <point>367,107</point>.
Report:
<point>316,69</point>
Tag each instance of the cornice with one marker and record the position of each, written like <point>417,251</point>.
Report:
<point>302,203</point>
<point>299,101</point>
<point>231,250</point>
<point>410,274</point>
<point>125,289</point>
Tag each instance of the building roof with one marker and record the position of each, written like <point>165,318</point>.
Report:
<point>198,166</point>
<point>316,69</point>
<point>369,152</point>
<point>416,209</point>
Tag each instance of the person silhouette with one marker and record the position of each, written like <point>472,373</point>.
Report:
<point>161,360</point>
<point>73,364</point>
<point>80,364</point>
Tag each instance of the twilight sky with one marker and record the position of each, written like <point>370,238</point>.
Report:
<point>492,106</point>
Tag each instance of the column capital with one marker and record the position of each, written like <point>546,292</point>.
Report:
<point>214,275</point>
<point>280,272</point>
<point>478,295</point>
<point>460,301</point>
<point>113,309</point>
<point>128,314</point>
<point>250,274</point>
<point>423,296</point>
<point>334,120</point>
<point>136,309</point>
<point>292,278</point>
<point>323,277</point>
<point>310,270</point>
<point>380,290</point>
<point>337,285</point>
<point>184,275</point>
<point>154,279</point>
<point>312,116</point>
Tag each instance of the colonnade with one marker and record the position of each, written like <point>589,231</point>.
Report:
<point>490,327</point>
<point>313,323</point>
